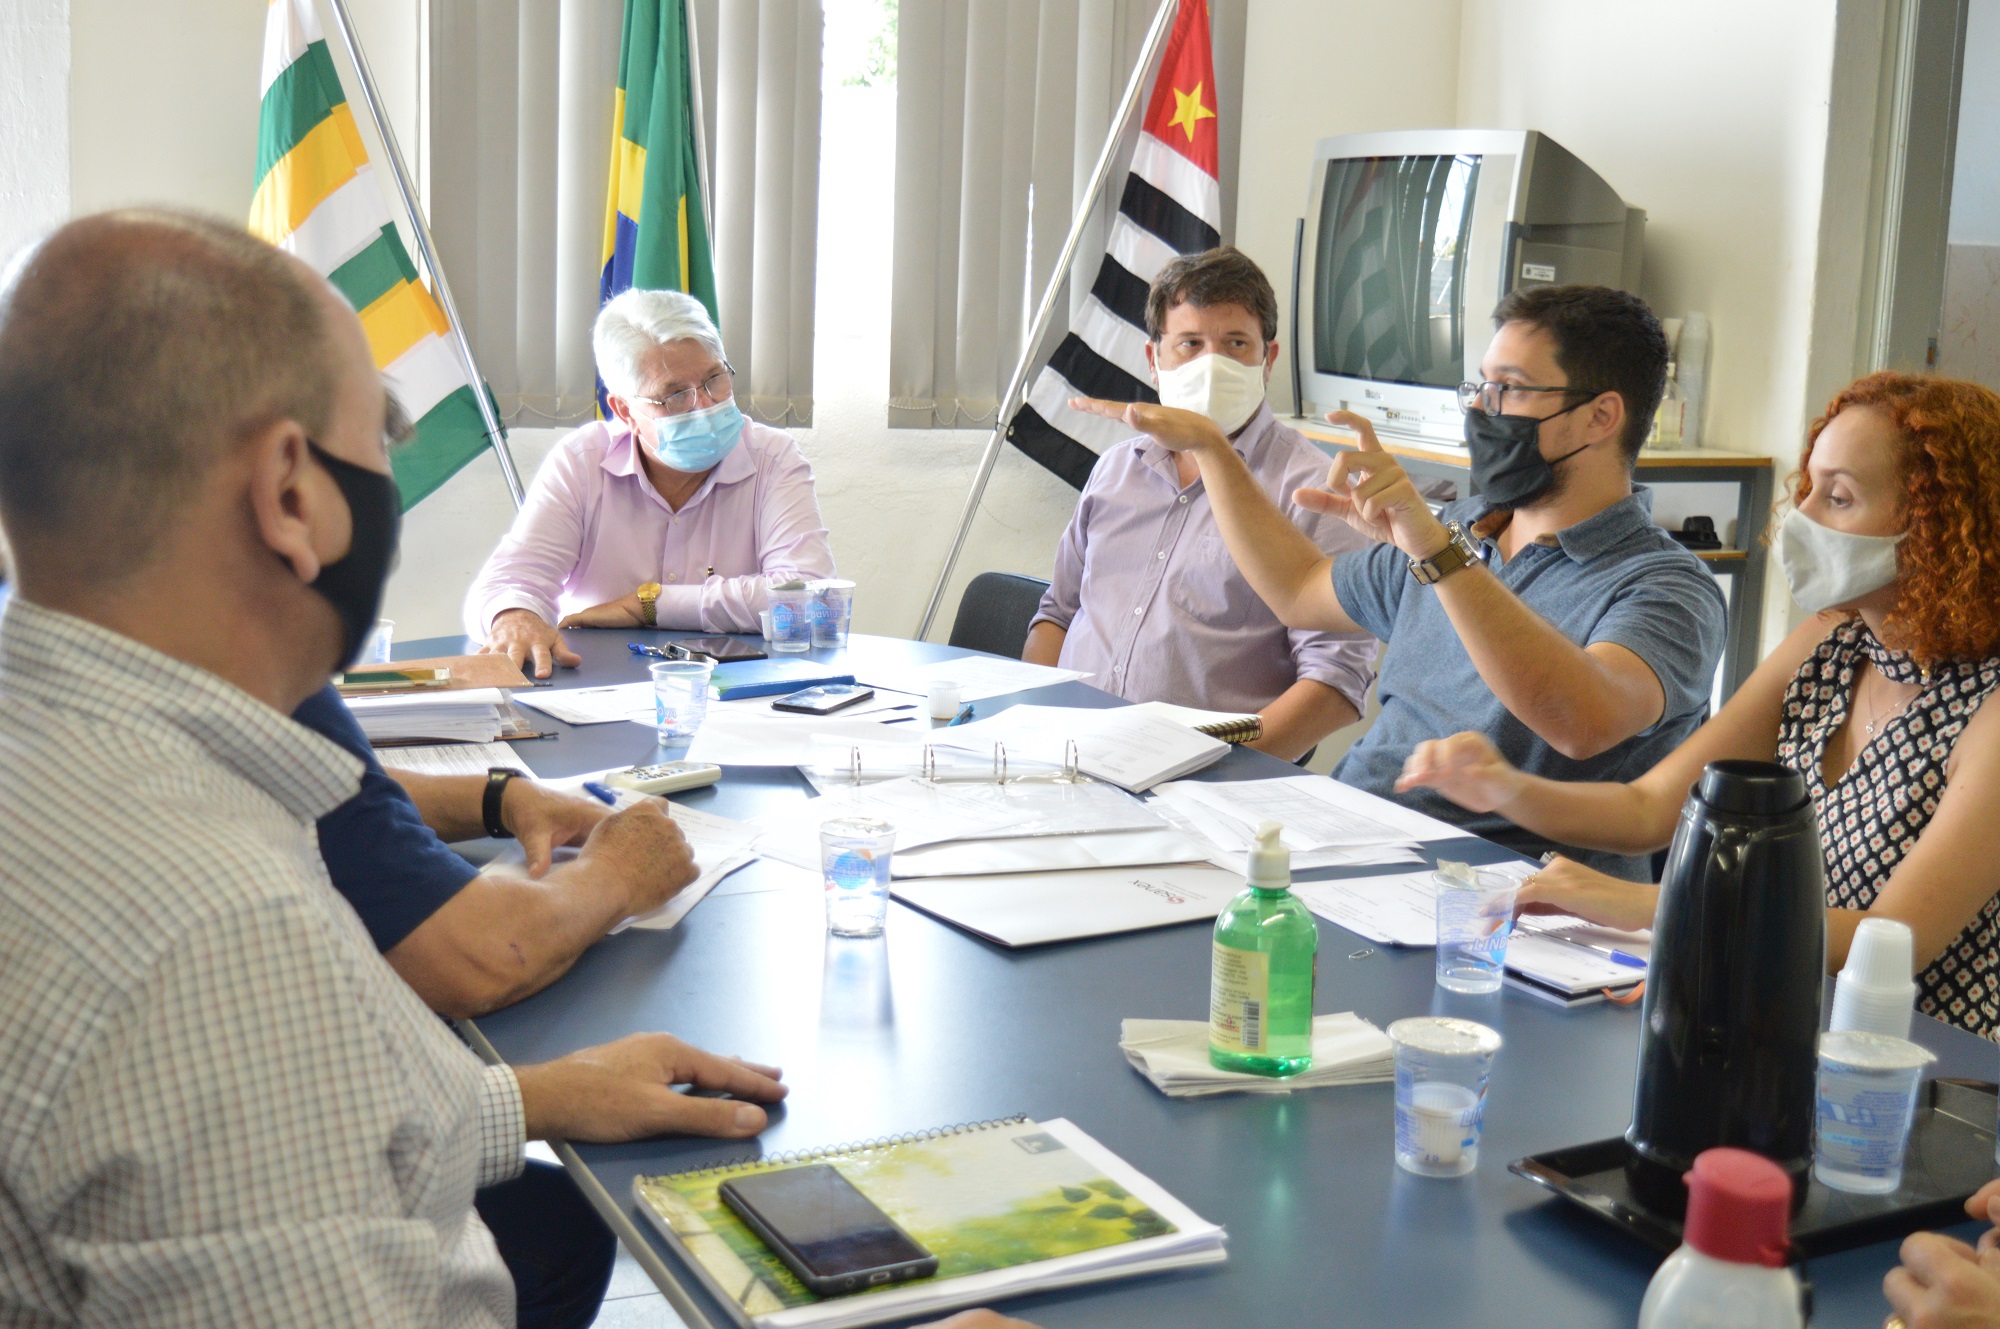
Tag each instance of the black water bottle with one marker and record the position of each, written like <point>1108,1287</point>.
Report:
<point>1727,1050</point>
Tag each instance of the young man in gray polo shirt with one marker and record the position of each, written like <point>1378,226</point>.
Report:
<point>1546,611</point>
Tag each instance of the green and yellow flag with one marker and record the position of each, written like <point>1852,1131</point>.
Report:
<point>654,233</point>
<point>318,198</point>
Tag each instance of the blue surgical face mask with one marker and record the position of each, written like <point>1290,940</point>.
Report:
<point>698,440</point>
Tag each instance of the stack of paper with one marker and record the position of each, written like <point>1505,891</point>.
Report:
<point>601,705</point>
<point>456,759</point>
<point>1122,745</point>
<point>1327,824</point>
<point>1173,1054</point>
<point>978,676</point>
<point>472,716</point>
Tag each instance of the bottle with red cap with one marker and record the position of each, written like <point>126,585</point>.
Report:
<point>1731,1270</point>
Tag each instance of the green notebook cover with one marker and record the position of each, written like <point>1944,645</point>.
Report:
<point>993,1196</point>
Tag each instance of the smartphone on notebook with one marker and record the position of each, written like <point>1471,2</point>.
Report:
<point>827,1232</point>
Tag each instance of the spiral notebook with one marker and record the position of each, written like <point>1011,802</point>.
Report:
<point>1228,726</point>
<point>1008,1207</point>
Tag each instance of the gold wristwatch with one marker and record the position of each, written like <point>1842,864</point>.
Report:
<point>1459,553</point>
<point>649,597</point>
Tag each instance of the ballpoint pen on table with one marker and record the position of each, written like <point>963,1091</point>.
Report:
<point>602,793</point>
<point>641,648</point>
<point>1611,953</point>
<point>964,714</point>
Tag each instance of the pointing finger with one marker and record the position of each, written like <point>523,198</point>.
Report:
<point>1359,424</point>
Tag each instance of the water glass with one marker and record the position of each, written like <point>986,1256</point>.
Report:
<point>1442,1066</point>
<point>1867,1101</point>
<point>379,644</point>
<point>854,863</point>
<point>832,611</point>
<point>1474,920</point>
<point>680,698</point>
<point>790,632</point>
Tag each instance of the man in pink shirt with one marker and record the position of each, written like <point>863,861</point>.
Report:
<point>1145,596</point>
<point>675,513</point>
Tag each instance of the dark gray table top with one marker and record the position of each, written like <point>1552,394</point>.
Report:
<point>931,1026</point>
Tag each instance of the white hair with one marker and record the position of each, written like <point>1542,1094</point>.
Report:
<point>634,323</point>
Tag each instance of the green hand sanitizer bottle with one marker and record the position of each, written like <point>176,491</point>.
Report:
<point>1260,994</point>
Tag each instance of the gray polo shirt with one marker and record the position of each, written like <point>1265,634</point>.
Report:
<point>1612,577</point>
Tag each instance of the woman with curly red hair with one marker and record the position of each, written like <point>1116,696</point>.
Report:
<point>1893,543</point>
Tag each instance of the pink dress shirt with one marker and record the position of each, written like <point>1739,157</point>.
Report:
<point>594,529</point>
<point>1152,603</point>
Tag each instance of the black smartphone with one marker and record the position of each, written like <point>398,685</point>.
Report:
<point>827,1232</point>
<point>823,700</point>
<point>718,649</point>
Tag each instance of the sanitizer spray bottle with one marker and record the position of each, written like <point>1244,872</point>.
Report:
<point>1260,994</point>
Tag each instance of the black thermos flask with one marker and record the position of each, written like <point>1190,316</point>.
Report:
<point>1727,1047</point>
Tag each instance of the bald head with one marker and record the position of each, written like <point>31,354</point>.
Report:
<point>137,351</point>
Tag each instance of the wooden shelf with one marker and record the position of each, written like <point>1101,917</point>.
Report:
<point>1321,432</point>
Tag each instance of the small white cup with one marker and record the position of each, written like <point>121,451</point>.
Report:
<point>1875,991</point>
<point>942,695</point>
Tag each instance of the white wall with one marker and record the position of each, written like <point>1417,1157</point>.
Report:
<point>34,128</point>
<point>1975,182</point>
<point>1713,118</point>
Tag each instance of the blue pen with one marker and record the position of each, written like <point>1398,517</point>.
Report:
<point>964,714</point>
<point>602,793</point>
<point>1611,953</point>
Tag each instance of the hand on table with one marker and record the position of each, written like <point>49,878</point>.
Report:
<point>1174,429</point>
<point>1370,491</point>
<point>625,1091</point>
<point>1564,887</point>
<point>1466,768</point>
<point>624,612</point>
<point>1943,1283</point>
<point>641,846</point>
<point>543,820</point>
<point>525,637</point>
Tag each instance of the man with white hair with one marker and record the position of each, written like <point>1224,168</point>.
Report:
<point>676,513</point>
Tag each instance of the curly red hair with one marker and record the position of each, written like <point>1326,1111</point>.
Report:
<point>1949,460</point>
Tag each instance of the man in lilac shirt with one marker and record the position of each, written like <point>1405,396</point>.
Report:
<point>675,513</point>
<point>1145,596</point>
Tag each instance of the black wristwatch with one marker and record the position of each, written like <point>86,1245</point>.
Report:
<point>489,806</point>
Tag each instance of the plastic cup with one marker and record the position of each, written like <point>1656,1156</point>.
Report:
<point>1474,920</point>
<point>790,632</point>
<point>1442,1066</point>
<point>764,624</point>
<point>379,644</point>
<point>680,698</point>
<point>832,611</point>
<point>1867,1101</point>
<point>1876,992</point>
<point>941,698</point>
<point>854,864</point>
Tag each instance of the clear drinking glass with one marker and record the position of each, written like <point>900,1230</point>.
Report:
<point>680,698</point>
<point>854,863</point>
<point>1442,1066</point>
<point>1474,920</point>
<point>791,621</point>
<point>832,611</point>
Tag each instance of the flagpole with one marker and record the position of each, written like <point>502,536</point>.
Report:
<point>1045,312</point>
<point>495,436</point>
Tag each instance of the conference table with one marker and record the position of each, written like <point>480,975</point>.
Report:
<point>930,1026</point>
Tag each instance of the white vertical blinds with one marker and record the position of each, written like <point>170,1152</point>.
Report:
<point>1024,90</point>
<point>519,95</point>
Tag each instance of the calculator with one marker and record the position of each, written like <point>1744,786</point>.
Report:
<point>665,778</point>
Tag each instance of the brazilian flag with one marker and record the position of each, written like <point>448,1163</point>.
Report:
<point>654,233</point>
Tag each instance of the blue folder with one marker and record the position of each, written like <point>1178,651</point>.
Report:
<point>770,678</point>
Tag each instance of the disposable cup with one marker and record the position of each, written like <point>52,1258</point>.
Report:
<point>1442,1066</point>
<point>1867,1100</point>
<point>790,632</point>
<point>680,698</point>
<point>832,611</point>
<point>379,645</point>
<point>941,697</point>
<point>854,864</point>
<point>1875,991</point>
<point>1474,920</point>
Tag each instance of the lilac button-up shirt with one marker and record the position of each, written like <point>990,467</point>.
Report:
<point>594,529</point>
<point>1153,604</point>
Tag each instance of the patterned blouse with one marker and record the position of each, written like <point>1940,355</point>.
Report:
<point>1874,813</point>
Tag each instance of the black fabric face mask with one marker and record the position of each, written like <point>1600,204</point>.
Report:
<point>353,583</point>
<point>1508,469</point>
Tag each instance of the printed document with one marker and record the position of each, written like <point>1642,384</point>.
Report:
<point>602,705</point>
<point>978,676</point>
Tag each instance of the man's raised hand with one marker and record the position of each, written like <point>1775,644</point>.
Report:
<point>1370,491</point>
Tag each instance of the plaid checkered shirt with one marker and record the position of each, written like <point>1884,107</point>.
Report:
<point>218,1105</point>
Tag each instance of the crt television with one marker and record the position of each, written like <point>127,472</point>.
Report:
<point>1410,238</point>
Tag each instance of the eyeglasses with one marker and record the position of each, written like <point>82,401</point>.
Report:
<point>1492,397</point>
<point>717,387</point>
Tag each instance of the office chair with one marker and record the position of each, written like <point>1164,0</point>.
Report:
<point>994,613</point>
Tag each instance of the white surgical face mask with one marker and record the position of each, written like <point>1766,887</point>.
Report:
<point>1829,568</point>
<point>1226,391</point>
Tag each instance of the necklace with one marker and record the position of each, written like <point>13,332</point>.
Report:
<point>1875,717</point>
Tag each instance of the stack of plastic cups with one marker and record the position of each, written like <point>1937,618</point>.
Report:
<point>1875,992</point>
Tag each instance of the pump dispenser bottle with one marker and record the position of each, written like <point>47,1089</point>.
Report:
<point>1260,993</point>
